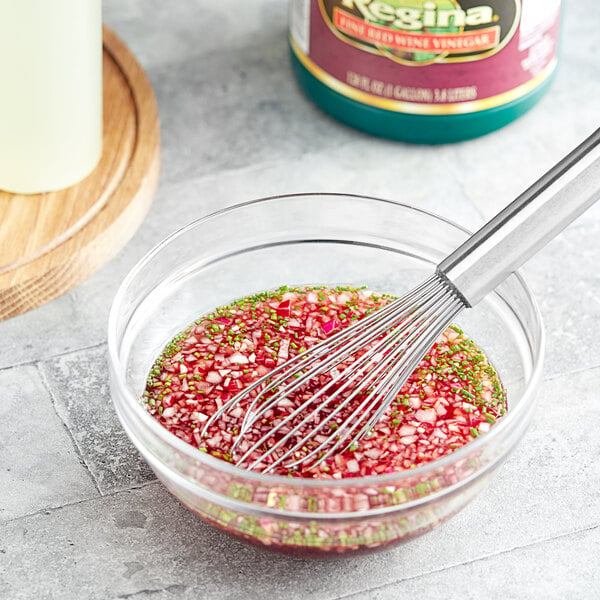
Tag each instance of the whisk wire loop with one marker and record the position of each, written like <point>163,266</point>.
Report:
<point>404,360</point>
<point>377,353</point>
<point>301,361</point>
<point>384,349</point>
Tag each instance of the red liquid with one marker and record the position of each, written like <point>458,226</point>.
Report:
<point>452,397</point>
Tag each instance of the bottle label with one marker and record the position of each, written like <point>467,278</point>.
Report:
<point>427,56</point>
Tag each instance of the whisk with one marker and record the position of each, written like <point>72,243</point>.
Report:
<point>380,351</point>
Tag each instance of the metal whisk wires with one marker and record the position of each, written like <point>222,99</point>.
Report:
<point>379,353</point>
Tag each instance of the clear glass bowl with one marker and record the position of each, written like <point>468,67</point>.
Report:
<point>318,239</point>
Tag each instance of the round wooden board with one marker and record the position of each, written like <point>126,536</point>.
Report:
<point>51,242</point>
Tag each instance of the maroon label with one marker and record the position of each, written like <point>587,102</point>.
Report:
<point>427,56</point>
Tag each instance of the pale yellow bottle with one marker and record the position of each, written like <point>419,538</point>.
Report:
<point>50,93</point>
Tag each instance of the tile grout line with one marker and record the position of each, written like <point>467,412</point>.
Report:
<point>37,361</point>
<point>53,509</point>
<point>78,451</point>
<point>175,587</point>
<point>539,542</point>
<point>463,189</point>
<point>553,376</point>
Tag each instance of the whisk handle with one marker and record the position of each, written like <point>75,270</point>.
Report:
<point>516,233</point>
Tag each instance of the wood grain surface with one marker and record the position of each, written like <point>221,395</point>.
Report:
<point>51,242</point>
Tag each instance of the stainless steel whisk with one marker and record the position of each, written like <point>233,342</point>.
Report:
<point>400,334</point>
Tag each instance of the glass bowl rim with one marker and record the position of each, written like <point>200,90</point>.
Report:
<point>220,465</point>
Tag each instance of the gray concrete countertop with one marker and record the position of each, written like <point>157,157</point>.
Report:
<point>82,516</point>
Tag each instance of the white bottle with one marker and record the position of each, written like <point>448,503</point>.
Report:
<point>50,93</point>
